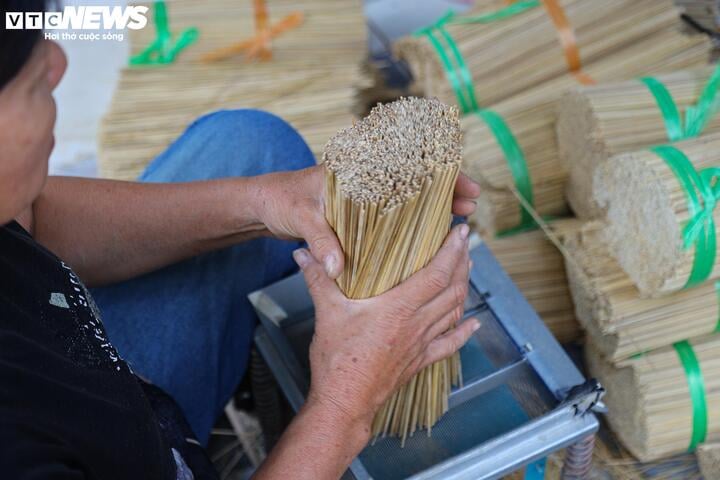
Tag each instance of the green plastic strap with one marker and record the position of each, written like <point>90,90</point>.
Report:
<point>450,72</point>
<point>668,108</point>
<point>516,162</point>
<point>456,70</point>
<point>464,70</point>
<point>700,230</point>
<point>162,50</point>
<point>696,116</point>
<point>696,385</point>
<point>501,14</point>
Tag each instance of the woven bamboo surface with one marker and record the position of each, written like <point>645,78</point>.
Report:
<point>309,82</point>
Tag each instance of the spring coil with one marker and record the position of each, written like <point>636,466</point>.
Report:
<point>578,459</point>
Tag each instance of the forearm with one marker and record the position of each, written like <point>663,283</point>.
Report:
<point>109,231</point>
<point>319,444</point>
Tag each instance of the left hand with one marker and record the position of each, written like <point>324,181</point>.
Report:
<point>291,205</point>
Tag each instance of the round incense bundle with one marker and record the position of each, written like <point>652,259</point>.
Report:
<point>655,409</point>
<point>536,267</point>
<point>619,322</point>
<point>530,117</point>
<point>389,187</point>
<point>508,56</point>
<point>661,228</point>
<point>597,122</point>
<point>709,459</point>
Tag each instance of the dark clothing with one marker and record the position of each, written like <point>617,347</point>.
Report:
<point>70,407</point>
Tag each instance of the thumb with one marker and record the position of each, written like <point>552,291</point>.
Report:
<point>320,285</point>
<point>325,246</point>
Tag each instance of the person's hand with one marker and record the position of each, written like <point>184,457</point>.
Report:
<point>363,350</point>
<point>291,205</point>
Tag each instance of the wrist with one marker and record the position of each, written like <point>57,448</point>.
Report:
<point>356,426</point>
<point>256,188</point>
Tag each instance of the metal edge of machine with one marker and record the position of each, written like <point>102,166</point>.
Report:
<point>501,455</point>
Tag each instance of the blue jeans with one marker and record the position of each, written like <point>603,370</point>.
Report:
<point>188,327</point>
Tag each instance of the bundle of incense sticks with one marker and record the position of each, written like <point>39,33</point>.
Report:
<point>309,82</point>
<point>372,87</point>
<point>660,212</point>
<point>507,56</point>
<point>595,123</point>
<point>388,195</point>
<point>656,405</point>
<point>530,118</point>
<point>619,322</point>
<point>537,268</point>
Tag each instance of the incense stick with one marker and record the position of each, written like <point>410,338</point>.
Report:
<point>509,56</point>
<point>597,122</point>
<point>389,187</point>
<point>619,322</point>
<point>647,212</point>
<point>709,459</point>
<point>309,82</point>
<point>531,117</point>
<point>538,270</point>
<point>649,398</point>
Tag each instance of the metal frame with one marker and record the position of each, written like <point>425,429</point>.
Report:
<point>288,300</point>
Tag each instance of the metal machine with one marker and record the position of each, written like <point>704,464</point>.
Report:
<point>522,397</point>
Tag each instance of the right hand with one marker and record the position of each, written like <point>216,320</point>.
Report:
<point>363,350</point>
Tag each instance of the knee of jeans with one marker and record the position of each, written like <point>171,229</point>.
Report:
<point>271,144</point>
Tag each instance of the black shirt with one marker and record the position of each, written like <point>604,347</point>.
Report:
<point>70,407</point>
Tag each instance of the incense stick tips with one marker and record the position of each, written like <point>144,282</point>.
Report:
<point>389,155</point>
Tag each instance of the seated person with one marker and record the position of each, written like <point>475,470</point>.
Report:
<point>170,260</point>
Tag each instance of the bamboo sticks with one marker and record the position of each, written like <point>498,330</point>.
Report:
<point>709,460</point>
<point>597,122</point>
<point>648,209</point>
<point>388,195</point>
<point>536,267</point>
<point>509,56</point>
<point>619,322</point>
<point>530,116</point>
<point>654,409</point>
<point>309,82</point>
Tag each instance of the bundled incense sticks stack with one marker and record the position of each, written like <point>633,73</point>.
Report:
<point>530,118</point>
<point>389,189</point>
<point>651,207</point>
<point>597,122</point>
<point>508,56</point>
<point>655,408</point>
<point>620,323</point>
<point>309,81</point>
<point>709,460</point>
<point>373,88</point>
<point>536,267</point>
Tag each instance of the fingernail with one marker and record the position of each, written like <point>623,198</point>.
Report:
<point>476,325</point>
<point>470,264</point>
<point>330,263</point>
<point>464,231</point>
<point>301,257</point>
